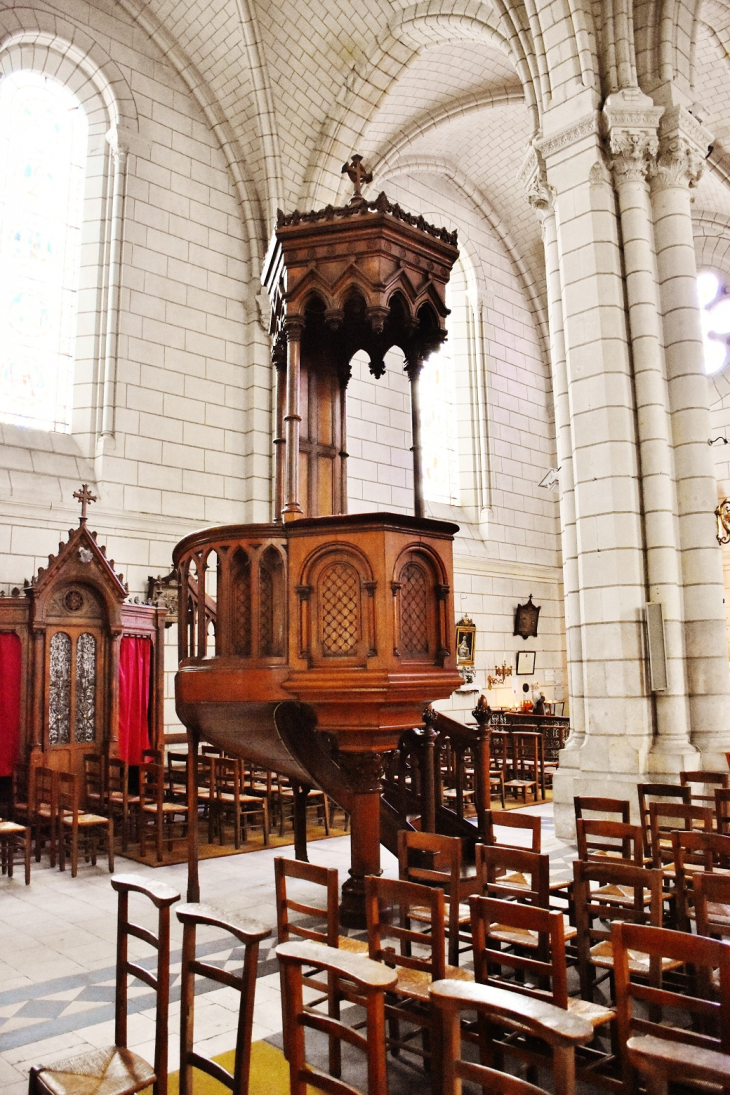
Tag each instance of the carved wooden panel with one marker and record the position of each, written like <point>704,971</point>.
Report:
<point>59,690</point>
<point>85,720</point>
<point>272,601</point>
<point>339,599</point>
<point>414,610</point>
<point>241,602</point>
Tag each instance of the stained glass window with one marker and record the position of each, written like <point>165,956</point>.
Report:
<point>43,143</point>
<point>85,730</point>
<point>59,698</point>
<point>715,317</point>
<point>438,424</point>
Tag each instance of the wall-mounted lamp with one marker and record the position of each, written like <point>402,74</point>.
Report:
<point>723,521</point>
<point>550,480</point>
<point>501,672</point>
<point>717,440</point>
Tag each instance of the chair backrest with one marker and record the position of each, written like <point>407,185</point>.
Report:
<point>249,933</point>
<point>599,840</point>
<point>177,774</point>
<point>431,859</point>
<point>513,873</point>
<point>513,819</point>
<point>708,1009</point>
<point>712,903</point>
<point>703,850</point>
<point>389,904</point>
<point>162,897</point>
<point>45,785</point>
<point>327,878</point>
<point>151,784</point>
<point>667,817</point>
<point>603,806</point>
<point>540,971</point>
<point>152,756</point>
<point>709,780</point>
<point>228,777</point>
<point>722,810</point>
<point>117,777</point>
<point>557,1028</point>
<point>68,794</point>
<point>22,789</point>
<point>369,980</point>
<point>651,792</point>
<point>94,780</point>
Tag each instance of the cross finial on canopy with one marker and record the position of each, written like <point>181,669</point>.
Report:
<point>84,496</point>
<point>357,175</point>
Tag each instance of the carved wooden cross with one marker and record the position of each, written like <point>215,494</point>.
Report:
<point>84,496</point>
<point>357,174</point>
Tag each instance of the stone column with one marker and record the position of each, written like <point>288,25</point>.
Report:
<point>413,370</point>
<point>608,520</point>
<point>542,198</point>
<point>683,146</point>
<point>632,124</point>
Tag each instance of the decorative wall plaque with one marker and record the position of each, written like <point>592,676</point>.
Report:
<point>526,618</point>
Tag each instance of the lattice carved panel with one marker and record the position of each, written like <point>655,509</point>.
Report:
<point>59,695</point>
<point>85,728</point>
<point>413,610</point>
<point>340,609</point>
<point>271,605</point>
<point>241,602</point>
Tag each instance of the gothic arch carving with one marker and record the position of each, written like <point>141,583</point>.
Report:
<point>420,594</point>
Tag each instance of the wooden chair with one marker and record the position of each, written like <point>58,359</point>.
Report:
<point>369,980</point>
<point>624,892</point>
<point>73,820</point>
<point>120,1071</point>
<point>329,917</point>
<point>327,878</point>
<point>94,782</point>
<point>390,906</point>
<point>284,796</point>
<point>515,874</point>
<point>558,1029</point>
<point>525,771</point>
<point>536,938</point>
<point>713,780</point>
<point>120,803</point>
<point>654,792</point>
<point>603,806</point>
<point>44,818</point>
<point>230,801</point>
<point>206,789</point>
<point>667,817</point>
<point>529,748</point>
<point>693,854</point>
<point>708,1010</point>
<point>712,904</point>
<point>249,933</point>
<point>513,819</point>
<point>599,840</point>
<point>22,794</point>
<point>13,837</point>
<point>153,807</point>
<point>435,860</point>
<point>177,777</point>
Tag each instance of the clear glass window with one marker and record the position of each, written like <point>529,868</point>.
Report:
<point>439,434</point>
<point>715,316</point>
<point>43,146</point>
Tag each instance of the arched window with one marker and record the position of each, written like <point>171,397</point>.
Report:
<point>715,316</point>
<point>43,150</point>
<point>439,434</point>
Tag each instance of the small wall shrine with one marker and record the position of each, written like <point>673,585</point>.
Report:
<point>81,667</point>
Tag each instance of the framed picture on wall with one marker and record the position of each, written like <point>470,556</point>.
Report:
<point>466,634</point>
<point>525,663</point>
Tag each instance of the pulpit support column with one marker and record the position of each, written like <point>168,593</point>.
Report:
<point>364,772</point>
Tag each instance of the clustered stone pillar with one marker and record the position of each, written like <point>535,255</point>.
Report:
<point>636,475</point>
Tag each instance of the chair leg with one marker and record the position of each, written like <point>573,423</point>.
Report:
<point>265,811</point>
<point>110,839</point>
<point>159,822</point>
<point>74,851</point>
<point>326,817</point>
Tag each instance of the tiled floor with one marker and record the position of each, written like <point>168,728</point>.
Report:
<point>57,952</point>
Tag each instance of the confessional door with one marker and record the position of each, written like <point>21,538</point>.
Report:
<point>75,695</point>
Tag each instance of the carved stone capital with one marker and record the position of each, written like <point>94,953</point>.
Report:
<point>587,126</point>
<point>362,771</point>
<point>633,154</point>
<point>684,145</point>
<point>533,176</point>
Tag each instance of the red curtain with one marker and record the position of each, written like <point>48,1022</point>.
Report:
<point>134,698</point>
<point>10,671</point>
